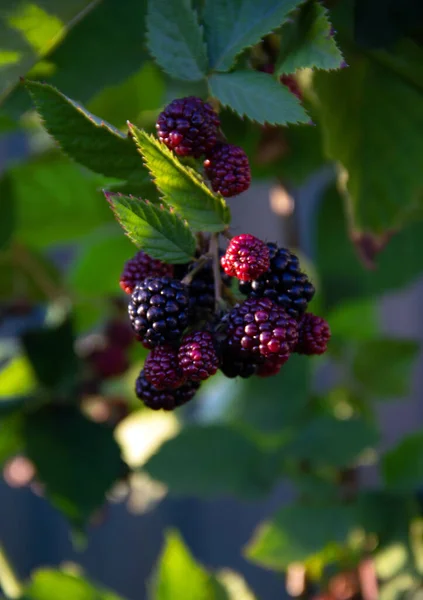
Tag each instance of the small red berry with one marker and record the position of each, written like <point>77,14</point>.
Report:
<point>139,267</point>
<point>269,368</point>
<point>246,257</point>
<point>188,126</point>
<point>164,399</point>
<point>161,368</point>
<point>197,356</point>
<point>314,335</point>
<point>228,169</point>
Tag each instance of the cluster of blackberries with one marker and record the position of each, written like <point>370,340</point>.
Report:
<point>172,312</point>
<point>190,127</point>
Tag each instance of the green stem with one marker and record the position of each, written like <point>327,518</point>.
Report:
<point>214,251</point>
<point>9,583</point>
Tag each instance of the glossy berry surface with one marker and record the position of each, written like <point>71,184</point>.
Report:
<point>284,283</point>
<point>314,335</point>
<point>197,356</point>
<point>164,399</point>
<point>246,257</point>
<point>159,310</point>
<point>161,368</point>
<point>258,329</point>
<point>139,267</point>
<point>228,170</point>
<point>188,126</point>
<point>233,365</point>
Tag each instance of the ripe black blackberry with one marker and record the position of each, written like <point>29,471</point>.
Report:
<point>197,356</point>
<point>258,329</point>
<point>228,169</point>
<point>161,368</point>
<point>159,310</point>
<point>232,365</point>
<point>139,267</point>
<point>188,126</point>
<point>164,399</point>
<point>314,335</point>
<point>284,283</point>
<point>201,288</point>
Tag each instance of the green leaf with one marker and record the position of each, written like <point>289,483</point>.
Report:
<point>383,366</point>
<point>76,459</point>
<point>299,532</point>
<point>96,270</point>
<point>156,229</point>
<point>28,31</point>
<point>181,186</point>
<point>243,92</point>
<point>48,584</point>
<point>210,461</point>
<point>8,213</point>
<point>11,440</point>
<point>232,25</point>
<point>402,467</point>
<point>329,441</point>
<point>51,353</point>
<point>178,575</point>
<point>384,186</point>
<point>175,39</point>
<point>355,320</point>
<point>307,42</point>
<point>85,138</point>
<point>55,200</point>
<point>16,378</point>
<point>282,398</point>
<point>341,273</point>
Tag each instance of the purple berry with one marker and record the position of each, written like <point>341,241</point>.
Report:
<point>228,169</point>
<point>161,368</point>
<point>197,356</point>
<point>164,399</point>
<point>246,257</point>
<point>314,335</point>
<point>139,267</point>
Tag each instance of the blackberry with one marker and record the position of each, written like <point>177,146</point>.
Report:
<point>269,368</point>
<point>232,365</point>
<point>284,283</point>
<point>164,399</point>
<point>197,356</point>
<point>314,335</point>
<point>139,267</point>
<point>161,368</point>
<point>108,362</point>
<point>119,333</point>
<point>188,126</point>
<point>228,169</point>
<point>201,288</point>
<point>246,257</point>
<point>258,329</point>
<point>159,310</point>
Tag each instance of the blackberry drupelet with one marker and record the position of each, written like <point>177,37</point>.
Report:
<point>284,283</point>
<point>161,368</point>
<point>228,169</point>
<point>314,335</point>
<point>258,329</point>
<point>164,399</point>
<point>197,356</point>
<point>159,310</point>
<point>246,257</point>
<point>188,126</point>
<point>232,365</point>
<point>141,266</point>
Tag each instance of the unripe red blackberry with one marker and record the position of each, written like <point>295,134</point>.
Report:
<point>284,283</point>
<point>246,257</point>
<point>164,399</point>
<point>197,356</point>
<point>228,169</point>
<point>159,310</point>
<point>141,266</point>
<point>161,368</point>
<point>314,335</point>
<point>259,329</point>
<point>269,368</point>
<point>119,333</point>
<point>188,126</point>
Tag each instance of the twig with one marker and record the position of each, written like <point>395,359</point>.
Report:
<point>199,265</point>
<point>9,583</point>
<point>214,251</point>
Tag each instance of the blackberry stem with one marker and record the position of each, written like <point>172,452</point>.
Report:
<point>198,266</point>
<point>214,251</point>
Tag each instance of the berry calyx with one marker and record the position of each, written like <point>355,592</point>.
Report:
<point>246,257</point>
<point>164,399</point>
<point>284,283</point>
<point>258,329</point>
<point>228,169</point>
<point>161,368</point>
<point>197,356</point>
<point>139,267</point>
<point>314,335</point>
<point>159,310</point>
<point>188,126</point>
